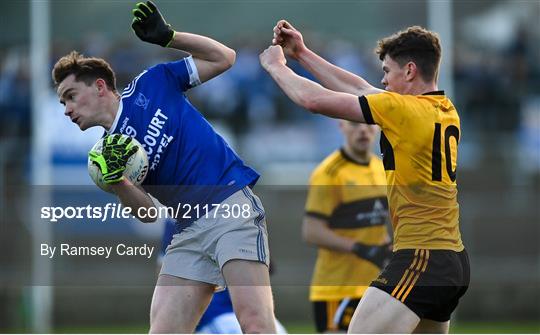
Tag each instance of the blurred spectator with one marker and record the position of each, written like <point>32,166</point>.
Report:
<point>491,81</point>
<point>15,94</point>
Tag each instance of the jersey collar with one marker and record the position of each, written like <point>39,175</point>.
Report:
<point>434,93</point>
<point>118,114</point>
<point>352,160</point>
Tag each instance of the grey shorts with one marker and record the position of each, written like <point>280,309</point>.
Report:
<point>236,229</point>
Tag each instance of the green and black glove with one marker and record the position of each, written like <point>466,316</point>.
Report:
<point>116,151</point>
<point>150,26</point>
<point>376,254</point>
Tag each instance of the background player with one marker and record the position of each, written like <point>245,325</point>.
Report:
<point>189,164</point>
<point>346,217</point>
<point>429,271</point>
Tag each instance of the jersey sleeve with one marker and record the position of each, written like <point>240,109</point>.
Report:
<point>386,109</point>
<point>323,195</point>
<point>184,73</point>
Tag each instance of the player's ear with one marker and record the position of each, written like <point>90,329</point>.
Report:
<point>410,71</point>
<point>101,86</point>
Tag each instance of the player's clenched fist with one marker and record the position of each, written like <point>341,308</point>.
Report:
<point>289,38</point>
<point>150,26</point>
<point>273,55</point>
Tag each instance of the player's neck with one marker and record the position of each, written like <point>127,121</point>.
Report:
<point>420,87</point>
<point>110,110</point>
<point>358,157</point>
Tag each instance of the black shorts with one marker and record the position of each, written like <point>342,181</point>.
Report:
<point>334,315</point>
<point>428,282</point>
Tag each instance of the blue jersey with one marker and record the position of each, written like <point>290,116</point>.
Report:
<point>221,303</point>
<point>189,163</point>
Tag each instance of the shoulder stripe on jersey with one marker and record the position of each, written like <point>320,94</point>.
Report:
<point>364,105</point>
<point>194,79</point>
<point>128,91</point>
<point>332,164</point>
<point>334,170</point>
<point>131,87</point>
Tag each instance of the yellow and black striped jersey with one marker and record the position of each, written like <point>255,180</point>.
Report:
<point>351,198</point>
<point>419,142</point>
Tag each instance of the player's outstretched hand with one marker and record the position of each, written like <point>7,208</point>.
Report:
<point>376,254</point>
<point>273,55</point>
<point>150,26</point>
<point>289,38</point>
<point>116,151</point>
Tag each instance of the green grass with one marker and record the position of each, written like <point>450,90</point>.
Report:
<point>505,327</point>
<point>516,327</point>
<point>456,328</point>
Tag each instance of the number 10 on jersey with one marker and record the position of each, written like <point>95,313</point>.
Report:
<point>436,160</point>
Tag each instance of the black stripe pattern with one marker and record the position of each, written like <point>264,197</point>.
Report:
<point>388,153</point>
<point>360,214</point>
<point>364,105</point>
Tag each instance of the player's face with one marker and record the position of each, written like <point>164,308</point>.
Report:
<point>359,136</point>
<point>394,79</point>
<point>81,101</point>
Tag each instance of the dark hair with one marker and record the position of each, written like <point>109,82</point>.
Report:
<point>415,44</point>
<point>85,69</point>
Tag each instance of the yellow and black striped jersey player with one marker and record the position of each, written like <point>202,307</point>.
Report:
<point>429,270</point>
<point>347,219</point>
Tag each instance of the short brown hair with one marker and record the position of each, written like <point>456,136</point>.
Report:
<point>415,44</point>
<point>85,69</point>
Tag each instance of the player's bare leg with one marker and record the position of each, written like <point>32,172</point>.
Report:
<point>178,304</point>
<point>379,312</point>
<point>251,295</point>
<point>427,326</point>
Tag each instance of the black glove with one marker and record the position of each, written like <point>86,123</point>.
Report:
<point>376,254</point>
<point>150,26</point>
<point>117,150</point>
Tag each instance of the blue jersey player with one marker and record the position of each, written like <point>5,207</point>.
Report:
<point>190,164</point>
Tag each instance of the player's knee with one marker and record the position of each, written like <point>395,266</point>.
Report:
<point>159,322</point>
<point>256,320</point>
<point>161,325</point>
<point>157,327</point>
<point>257,326</point>
<point>156,320</point>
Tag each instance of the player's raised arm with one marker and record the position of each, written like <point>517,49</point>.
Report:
<point>307,93</point>
<point>211,57</point>
<point>328,74</point>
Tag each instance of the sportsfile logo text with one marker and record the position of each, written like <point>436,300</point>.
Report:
<point>109,211</point>
<point>117,211</point>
